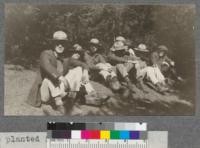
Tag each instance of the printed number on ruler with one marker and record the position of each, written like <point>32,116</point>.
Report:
<point>75,143</point>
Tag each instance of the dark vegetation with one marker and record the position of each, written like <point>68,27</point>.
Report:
<point>28,28</point>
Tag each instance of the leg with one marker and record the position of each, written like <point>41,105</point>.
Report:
<point>44,91</point>
<point>48,90</point>
<point>151,75</point>
<point>159,75</point>
<point>124,73</point>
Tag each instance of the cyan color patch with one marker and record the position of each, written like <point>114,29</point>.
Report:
<point>124,135</point>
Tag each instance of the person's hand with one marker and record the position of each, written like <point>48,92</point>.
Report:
<point>62,80</point>
<point>133,62</point>
<point>172,63</point>
<point>109,70</point>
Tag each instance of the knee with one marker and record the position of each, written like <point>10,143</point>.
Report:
<point>45,95</point>
<point>78,69</point>
<point>119,66</point>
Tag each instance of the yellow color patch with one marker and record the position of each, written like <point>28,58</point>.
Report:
<point>105,134</point>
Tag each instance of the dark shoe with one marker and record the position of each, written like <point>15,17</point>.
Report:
<point>161,88</point>
<point>125,93</point>
<point>140,86</point>
<point>130,87</point>
<point>113,83</point>
<point>48,110</point>
<point>61,109</point>
<point>129,84</point>
<point>95,100</point>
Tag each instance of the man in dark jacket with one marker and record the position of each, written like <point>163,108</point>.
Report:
<point>166,64</point>
<point>50,75</point>
<point>125,60</point>
<point>55,79</point>
<point>97,62</point>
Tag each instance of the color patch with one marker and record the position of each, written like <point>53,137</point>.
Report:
<point>95,134</point>
<point>105,134</point>
<point>85,134</point>
<point>134,135</point>
<point>124,135</point>
<point>76,134</point>
<point>65,126</point>
<point>64,134</point>
<point>114,134</point>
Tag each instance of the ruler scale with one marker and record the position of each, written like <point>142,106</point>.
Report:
<point>75,143</point>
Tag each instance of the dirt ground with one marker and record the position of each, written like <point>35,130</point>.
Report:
<point>18,82</point>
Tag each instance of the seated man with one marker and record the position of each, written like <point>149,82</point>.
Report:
<point>96,62</point>
<point>125,60</point>
<point>50,80</point>
<point>150,72</point>
<point>167,65</point>
<point>53,83</point>
<point>155,73</point>
<point>74,60</point>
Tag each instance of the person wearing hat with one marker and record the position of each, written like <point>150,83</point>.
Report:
<point>155,74</point>
<point>166,64</point>
<point>124,59</point>
<point>50,76</point>
<point>97,62</point>
<point>87,94</point>
<point>57,79</point>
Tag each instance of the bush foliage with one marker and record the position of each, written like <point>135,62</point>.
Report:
<point>28,28</point>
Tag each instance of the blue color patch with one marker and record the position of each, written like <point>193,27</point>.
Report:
<point>124,135</point>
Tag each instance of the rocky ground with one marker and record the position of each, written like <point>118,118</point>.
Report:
<point>18,82</point>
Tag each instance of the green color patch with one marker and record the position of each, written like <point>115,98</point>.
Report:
<point>114,135</point>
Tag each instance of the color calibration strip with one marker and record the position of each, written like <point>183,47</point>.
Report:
<point>98,134</point>
<point>97,126</point>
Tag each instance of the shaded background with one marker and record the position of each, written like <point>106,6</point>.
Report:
<point>29,26</point>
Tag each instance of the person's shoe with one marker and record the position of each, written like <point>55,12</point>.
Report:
<point>161,88</point>
<point>129,84</point>
<point>61,109</point>
<point>113,83</point>
<point>125,93</point>
<point>95,99</point>
<point>48,110</point>
<point>130,87</point>
<point>140,86</point>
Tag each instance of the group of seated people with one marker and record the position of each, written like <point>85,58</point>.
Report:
<point>120,68</point>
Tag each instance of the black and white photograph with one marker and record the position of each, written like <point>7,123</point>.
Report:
<point>99,60</point>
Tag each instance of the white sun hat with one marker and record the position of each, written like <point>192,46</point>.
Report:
<point>120,38</point>
<point>142,47</point>
<point>60,35</point>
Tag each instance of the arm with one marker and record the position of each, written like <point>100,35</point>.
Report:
<point>75,63</point>
<point>170,61</point>
<point>89,62</point>
<point>154,58</point>
<point>48,68</point>
<point>115,58</point>
<point>101,59</point>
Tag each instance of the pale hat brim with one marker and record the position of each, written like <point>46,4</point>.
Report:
<point>58,39</point>
<point>143,50</point>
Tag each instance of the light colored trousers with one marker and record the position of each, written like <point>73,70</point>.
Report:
<point>152,73</point>
<point>75,78</point>
<point>105,72</point>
